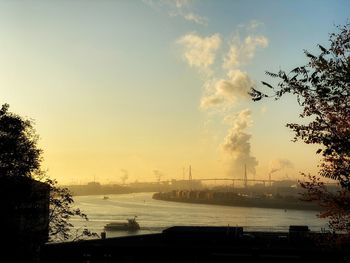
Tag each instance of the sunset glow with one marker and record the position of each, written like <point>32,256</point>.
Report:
<point>138,86</point>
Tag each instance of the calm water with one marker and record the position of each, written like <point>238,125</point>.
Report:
<point>154,215</point>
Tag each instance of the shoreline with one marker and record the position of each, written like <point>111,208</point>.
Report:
<point>238,201</point>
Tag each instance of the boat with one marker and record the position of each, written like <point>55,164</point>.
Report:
<point>130,225</point>
<point>105,197</point>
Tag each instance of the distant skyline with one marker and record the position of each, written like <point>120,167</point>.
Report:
<point>121,89</point>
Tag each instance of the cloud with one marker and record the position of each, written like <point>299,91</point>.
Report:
<point>239,121</point>
<point>251,43</point>
<point>211,101</point>
<point>242,52</point>
<point>224,91</point>
<point>227,91</point>
<point>181,3</point>
<point>200,51</point>
<point>236,146</point>
<point>252,26</point>
<point>235,87</point>
<point>177,8</point>
<point>195,18</point>
<point>232,57</point>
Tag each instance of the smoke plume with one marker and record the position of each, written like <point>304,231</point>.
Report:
<point>229,90</point>
<point>200,51</point>
<point>125,175</point>
<point>279,164</point>
<point>237,144</point>
<point>158,174</point>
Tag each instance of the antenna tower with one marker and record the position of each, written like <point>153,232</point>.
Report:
<point>190,178</point>
<point>245,176</point>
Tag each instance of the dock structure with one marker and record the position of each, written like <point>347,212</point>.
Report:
<point>203,244</point>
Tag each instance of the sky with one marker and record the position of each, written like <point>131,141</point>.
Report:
<point>134,90</point>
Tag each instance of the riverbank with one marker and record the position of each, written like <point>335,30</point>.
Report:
<point>237,200</point>
<point>156,215</point>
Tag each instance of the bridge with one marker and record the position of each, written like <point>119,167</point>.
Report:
<point>244,180</point>
<point>233,180</point>
<point>237,179</point>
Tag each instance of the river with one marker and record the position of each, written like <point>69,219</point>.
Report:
<point>156,215</point>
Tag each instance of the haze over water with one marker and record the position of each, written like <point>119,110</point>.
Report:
<point>156,215</point>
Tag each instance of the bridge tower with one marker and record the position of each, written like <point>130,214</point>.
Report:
<point>245,176</point>
<point>190,178</point>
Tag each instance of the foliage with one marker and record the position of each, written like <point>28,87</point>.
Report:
<point>61,210</point>
<point>335,204</point>
<point>21,157</point>
<point>322,89</point>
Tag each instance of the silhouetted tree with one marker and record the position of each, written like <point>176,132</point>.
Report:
<point>21,157</point>
<point>61,210</point>
<point>322,89</point>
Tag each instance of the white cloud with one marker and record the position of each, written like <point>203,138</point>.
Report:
<point>254,24</point>
<point>211,101</point>
<point>177,8</point>
<point>239,121</point>
<point>200,51</point>
<point>232,57</point>
<point>251,43</point>
<point>181,3</point>
<point>235,87</point>
<point>242,52</point>
<point>220,94</point>
<point>195,18</point>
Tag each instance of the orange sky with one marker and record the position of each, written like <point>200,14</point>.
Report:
<point>139,86</point>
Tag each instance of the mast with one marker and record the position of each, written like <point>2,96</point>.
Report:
<point>190,178</point>
<point>245,176</point>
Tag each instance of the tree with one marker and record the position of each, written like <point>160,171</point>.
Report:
<point>61,210</point>
<point>20,156</point>
<point>322,89</point>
